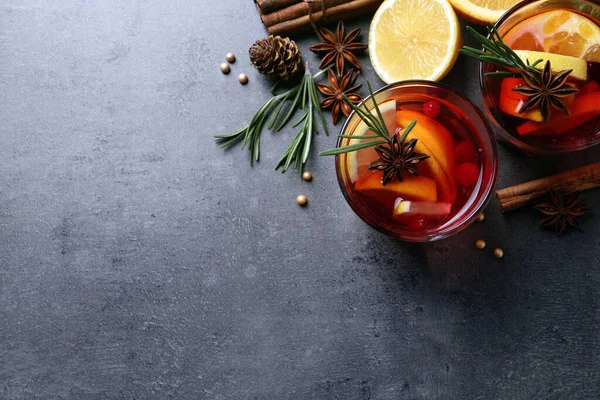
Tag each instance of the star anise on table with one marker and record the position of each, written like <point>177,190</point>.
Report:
<point>561,210</point>
<point>396,158</point>
<point>544,89</point>
<point>335,93</point>
<point>338,47</point>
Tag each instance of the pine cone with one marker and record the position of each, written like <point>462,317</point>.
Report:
<point>276,57</point>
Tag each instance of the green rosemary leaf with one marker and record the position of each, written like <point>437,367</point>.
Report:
<point>316,103</point>
<point>494,32</point>
<point>352,147</point>
<point>381,121</point>
<point>496,61</point>
<point>376,119</point>
<point>536,62</point>
<point>304,93</point>
<point>293,149</point>
<point>300,120</point>
<point>282,161</point>
<point>232,138</point>
<point>276,112</point>
<point>407,130</point>
<point>256,149</point>
<point>366,117</point>
<point>469,50</point>
<point>356,137</point>
<point>256,124</point>
<point>511,55</point>
<point>501,74</point>
<point>307,141</point>
<point>291,109</point>
<point>362,113</point>
<point>322,72</point>
<point>485,42</point>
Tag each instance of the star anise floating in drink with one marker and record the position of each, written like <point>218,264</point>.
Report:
<point>397,157</point>
<point>335,93</point>
<point>561,210</point>
<point>338,48</point>
<point>544,89</point>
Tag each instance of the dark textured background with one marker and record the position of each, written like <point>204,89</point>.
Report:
<point>139,260</point>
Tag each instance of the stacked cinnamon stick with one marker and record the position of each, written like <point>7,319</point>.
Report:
<point>284,17</point>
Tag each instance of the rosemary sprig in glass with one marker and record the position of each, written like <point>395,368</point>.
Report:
<point>543,88</point>
<point>496,52</point>
<point>275,113</point>
<point>374,122</point>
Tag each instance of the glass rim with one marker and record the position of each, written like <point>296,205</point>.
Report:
<point>486,190</point>
<point>492,114</point>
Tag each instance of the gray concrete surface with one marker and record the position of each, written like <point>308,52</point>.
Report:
<point>140,261</point>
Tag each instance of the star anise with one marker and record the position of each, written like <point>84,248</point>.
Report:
<point>560,210</point>
<point>545,89</point>
<point>338,48</point>
<point>397,158</point>
<point>335,93</point>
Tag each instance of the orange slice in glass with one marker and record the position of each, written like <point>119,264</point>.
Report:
<point>436,141</point>
<point>419,188</point>
<point>559,32</point>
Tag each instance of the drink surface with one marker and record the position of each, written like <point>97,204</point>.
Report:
<point>569,40</point>
<point>446,180</point>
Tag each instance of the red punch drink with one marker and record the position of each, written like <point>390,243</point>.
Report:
<point>450,186</point>
<point>569,37</point>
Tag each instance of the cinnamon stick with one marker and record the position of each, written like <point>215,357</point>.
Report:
<point>351,9</point>
<point>267,6</point>
<point>296,11</point>
<point>579,179</point>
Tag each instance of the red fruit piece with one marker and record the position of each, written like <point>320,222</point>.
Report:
<point>511,101</point>
<point>464,152</point>
<point>416,223</point>
<point>584,108</point>
<point>591,86</point>
<point>431,109</point>
<point>507,86</point>
<point>467,174</point>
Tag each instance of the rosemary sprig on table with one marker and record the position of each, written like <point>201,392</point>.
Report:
<point>276,115</point>
<point>496,52</point>
<point>299,149</point>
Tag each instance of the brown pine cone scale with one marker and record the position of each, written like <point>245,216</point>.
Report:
<point>276,57</point>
